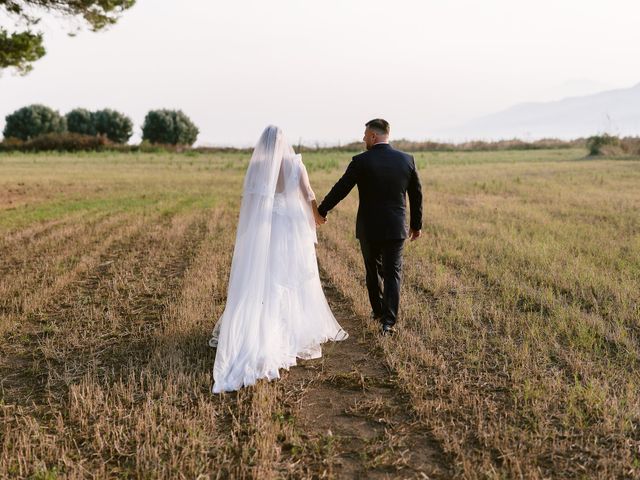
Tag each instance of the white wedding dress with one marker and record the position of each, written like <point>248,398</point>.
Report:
<point>276,310</point>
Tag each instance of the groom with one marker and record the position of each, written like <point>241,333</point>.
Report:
<point>384,177</point>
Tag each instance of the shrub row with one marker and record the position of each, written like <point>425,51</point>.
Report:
<point>31,122</point>
<point>479,145</point>
<point>63,142</point>
<point>77,142</point>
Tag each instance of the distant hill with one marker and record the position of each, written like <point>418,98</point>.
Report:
<point>614,111</point>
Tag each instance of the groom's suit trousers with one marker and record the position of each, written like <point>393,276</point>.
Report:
<point>383,265</point>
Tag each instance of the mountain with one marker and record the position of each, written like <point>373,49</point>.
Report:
<point>616,112</point>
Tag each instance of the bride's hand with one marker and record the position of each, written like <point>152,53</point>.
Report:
<point>320,220</point>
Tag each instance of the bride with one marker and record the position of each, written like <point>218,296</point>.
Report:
<point>276,309</point>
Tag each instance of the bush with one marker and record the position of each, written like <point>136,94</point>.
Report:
<point>61,142</point>
<point>33,120</point>
<point>170,127</point>
<point>597,143</point>
<point>10,144</point>
<point>619,147</point>
<point>630,145</point>
<point>81,121</point>
<point>116,126</point>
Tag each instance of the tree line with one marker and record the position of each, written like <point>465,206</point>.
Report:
<point>169,127</point>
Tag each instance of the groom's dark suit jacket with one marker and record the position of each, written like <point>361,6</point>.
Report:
<point>384,176</point>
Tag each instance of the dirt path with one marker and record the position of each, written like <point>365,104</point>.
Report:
<point>352,408</point>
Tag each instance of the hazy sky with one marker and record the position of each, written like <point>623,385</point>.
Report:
<point>321,69</point>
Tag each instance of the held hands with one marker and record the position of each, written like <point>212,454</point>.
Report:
<point>414,234</point>
<point>320,220</point>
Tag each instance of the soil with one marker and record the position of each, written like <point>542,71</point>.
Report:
<point>352,402</point>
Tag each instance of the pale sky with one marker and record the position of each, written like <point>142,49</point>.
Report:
<point>320,70</point>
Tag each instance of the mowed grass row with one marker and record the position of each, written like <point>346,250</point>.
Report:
<point>519,330</point>
<point>112,375</point>
<point>106,309</point>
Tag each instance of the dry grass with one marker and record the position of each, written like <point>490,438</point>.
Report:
<point>520,340</point>
<point>519,346</point>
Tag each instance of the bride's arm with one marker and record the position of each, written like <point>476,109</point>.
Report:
<point>316,214</point>
<point>308,193</point>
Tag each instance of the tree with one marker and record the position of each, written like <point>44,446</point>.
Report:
<point>169,126</point>
<point>29,122</point>
<point>20,49</point>
<point>81,121</point>
<point>115,125</point>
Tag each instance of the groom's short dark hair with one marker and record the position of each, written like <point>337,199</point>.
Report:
<point>378,125</point>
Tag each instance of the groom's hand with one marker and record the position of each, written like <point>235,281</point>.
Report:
<point>414,234</point>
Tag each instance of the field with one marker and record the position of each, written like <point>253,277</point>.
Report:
<point>518,354</point>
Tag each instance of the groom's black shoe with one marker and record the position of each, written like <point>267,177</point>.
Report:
<point>375,317</point>
<point>387,330</point>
